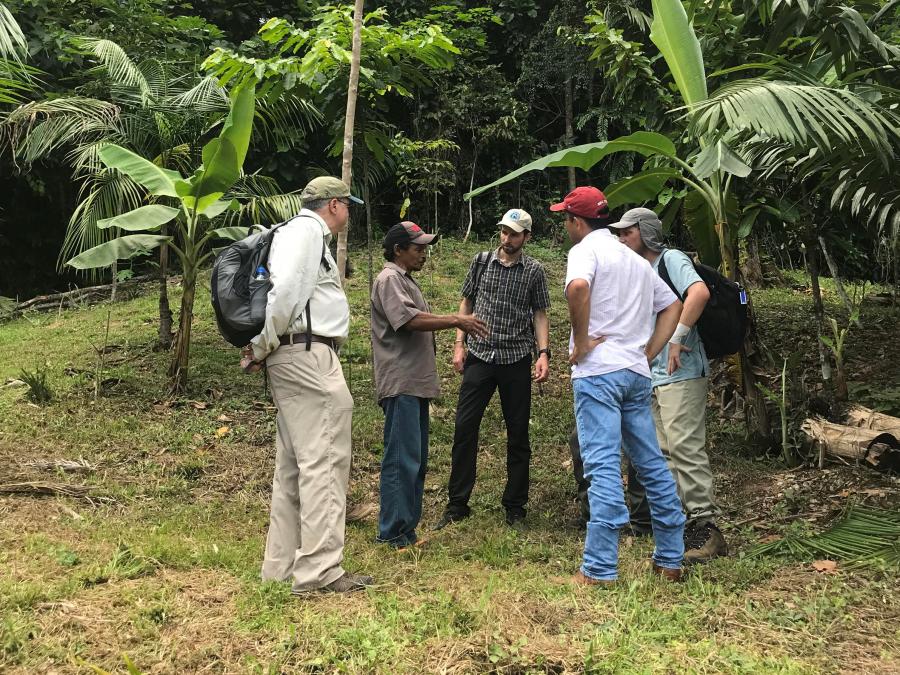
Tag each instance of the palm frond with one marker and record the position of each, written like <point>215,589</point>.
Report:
<point>263,202</point>
<point>283,123</point>
<point>13,45</point>
<point>116,63</point>
<point>103,195</point>
<point>39,128</point>
<point>204,96</point>
<point>803,115</point>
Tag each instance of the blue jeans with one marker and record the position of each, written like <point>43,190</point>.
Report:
<point>403,468</point>
<point>609,408</point>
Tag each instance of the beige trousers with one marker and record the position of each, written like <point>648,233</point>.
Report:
<point>312,467</point>
<point>679,413</point>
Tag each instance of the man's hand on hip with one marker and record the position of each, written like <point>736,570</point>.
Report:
<point>581,349</point>
<point>675,350</point>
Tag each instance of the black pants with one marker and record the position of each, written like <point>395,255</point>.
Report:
<point>480,380</point>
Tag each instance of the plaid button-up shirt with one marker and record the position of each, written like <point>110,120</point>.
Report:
<point>506,299</point>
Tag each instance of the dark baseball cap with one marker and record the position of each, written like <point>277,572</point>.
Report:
<point>407,232</point>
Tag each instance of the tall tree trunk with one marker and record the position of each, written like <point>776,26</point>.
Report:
<point>165,312</point>
<point>347,163</point>
<point>812,266</point>
<point>114,286</point>
<point>570,125</point>
<point>832,267</point>
<point>178,369</point>
<point>471,186</point>
<point>368,197</point>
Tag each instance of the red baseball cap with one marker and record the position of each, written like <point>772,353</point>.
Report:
<point>585,201</point>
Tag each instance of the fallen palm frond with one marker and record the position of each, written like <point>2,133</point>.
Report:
<point>862,536</point>
<point>70,465</point>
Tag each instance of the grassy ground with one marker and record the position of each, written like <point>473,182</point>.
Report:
<point>160,560</point>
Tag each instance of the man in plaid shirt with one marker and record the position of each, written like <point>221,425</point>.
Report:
<point>508,291</point>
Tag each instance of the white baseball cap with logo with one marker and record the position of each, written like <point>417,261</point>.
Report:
<point>517,220</point>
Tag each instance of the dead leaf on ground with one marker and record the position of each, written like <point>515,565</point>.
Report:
<point>224,418</point>
<point>825,566</point>
<point>199,405</point>
<point>222,431</point>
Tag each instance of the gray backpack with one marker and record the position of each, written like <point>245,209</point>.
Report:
<point>241,283</point>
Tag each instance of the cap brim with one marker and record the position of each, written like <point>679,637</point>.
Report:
<point>424,239</point>
<point>558,207</point>
<point>516,227</point>
<point>355,200</point>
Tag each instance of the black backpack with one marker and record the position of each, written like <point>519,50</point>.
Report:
<point>238,297</point>
<point>723,324</point>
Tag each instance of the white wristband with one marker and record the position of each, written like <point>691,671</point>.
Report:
<point>681,332</point>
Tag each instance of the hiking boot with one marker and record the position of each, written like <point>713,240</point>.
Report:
<point>359,511</point>
<point>516,521</point>
<point>668,574</point>
<point>349,583</point>
<point>703,543</point>
<point>447,519</point>
<point>581,579</point>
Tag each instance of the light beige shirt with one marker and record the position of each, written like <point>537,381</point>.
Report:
<point>404,359</point>
<point>298,275</point>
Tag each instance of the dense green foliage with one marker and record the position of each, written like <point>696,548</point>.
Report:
<point>457,94</point>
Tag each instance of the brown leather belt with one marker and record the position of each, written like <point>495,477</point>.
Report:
<point>303,339</point>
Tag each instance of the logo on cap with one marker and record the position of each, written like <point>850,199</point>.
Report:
<point>513,215</point>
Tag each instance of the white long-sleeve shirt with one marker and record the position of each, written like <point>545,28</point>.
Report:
<point>298,275</point>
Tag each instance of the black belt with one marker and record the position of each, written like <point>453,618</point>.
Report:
<point>304,339</point>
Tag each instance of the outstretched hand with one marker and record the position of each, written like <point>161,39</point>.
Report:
<point>469,323</point>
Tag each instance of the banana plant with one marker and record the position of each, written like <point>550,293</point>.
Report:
<point>192,203</point>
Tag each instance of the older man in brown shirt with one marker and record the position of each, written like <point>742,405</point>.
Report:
<point>406,378</point>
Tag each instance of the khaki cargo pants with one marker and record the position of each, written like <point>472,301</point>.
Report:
<point>312,467</point>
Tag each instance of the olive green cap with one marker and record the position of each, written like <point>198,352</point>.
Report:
<point>327,187</point>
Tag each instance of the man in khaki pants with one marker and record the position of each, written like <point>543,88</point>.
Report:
<point>679,378</point>
<point>307,319</point>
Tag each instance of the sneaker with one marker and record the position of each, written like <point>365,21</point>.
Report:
<point>447,519</point>
<point>668,574</point>
<point>516,521</point>
<point>703,543</point>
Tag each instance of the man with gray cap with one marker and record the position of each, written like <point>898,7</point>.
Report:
<point>508,290</point>
<point>307,320</point>
<point>406,378</point>
<point>679,379</point>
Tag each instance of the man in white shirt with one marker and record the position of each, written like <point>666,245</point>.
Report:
<point>614,297</point>
<point>307,320</point>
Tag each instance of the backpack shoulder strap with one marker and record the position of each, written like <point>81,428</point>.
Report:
<point>480,262</point>
<point>664,275</point>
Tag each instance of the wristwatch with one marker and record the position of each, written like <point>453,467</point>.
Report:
<point>545,350</point>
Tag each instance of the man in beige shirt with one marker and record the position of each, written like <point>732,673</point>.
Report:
<point>307,319</point>
<point>406,378</point>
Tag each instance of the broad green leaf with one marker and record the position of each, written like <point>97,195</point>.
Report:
<point>121,248</point>
<point>719,157</point>
<point>217,207</point>
<point>701,222</point>
<point>640,187</point>
<point>224,156</point>
<point>234,233</point>
<point>149,217</point>
<point>157,180</point>
<point>747,222</point>
<point>674,36</point>
<point>585,156</point>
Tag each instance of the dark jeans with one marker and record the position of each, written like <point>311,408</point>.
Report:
<point>480,380</point>
<point>635,496</point>
<point>403,468</point>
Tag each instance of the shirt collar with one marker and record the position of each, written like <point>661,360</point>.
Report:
<point>496,256</point>
<point>317,218</point>
<point>394,266</point>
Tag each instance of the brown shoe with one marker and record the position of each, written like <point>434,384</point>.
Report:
<point>349,583</point>
<point>581,579</point>
<point>703,544</point>
<point>359,511</point>
<point>668,574</point>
